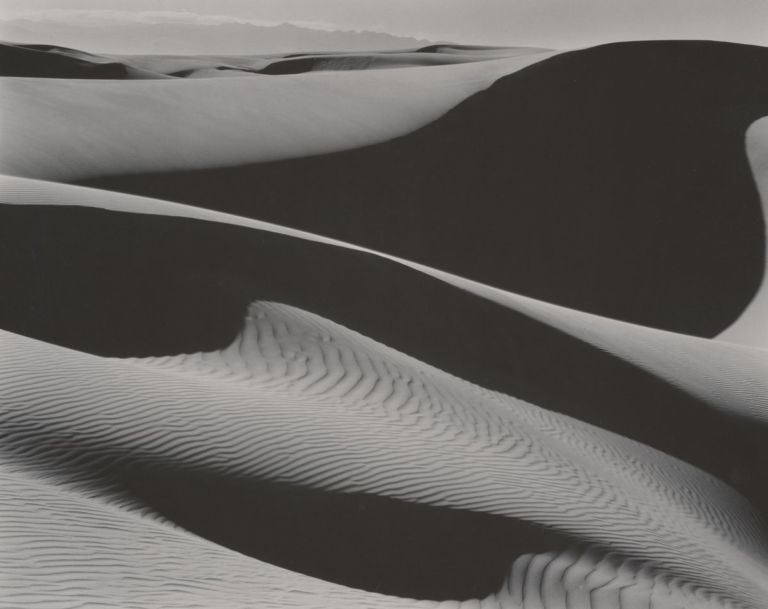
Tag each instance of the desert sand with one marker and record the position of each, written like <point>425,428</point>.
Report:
<point>221,124</point>
<point>295,352</point>
<point>357,417</point>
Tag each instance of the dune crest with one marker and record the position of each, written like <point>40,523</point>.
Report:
<point>42,61</point>
<point>218,125</point>
<point>654,373</point>
<point>47,61</point>
<point>409,432</point>
<point>728,377</point>
<point>449,327</point>
<point>557,180</point>
<point>751,327</point>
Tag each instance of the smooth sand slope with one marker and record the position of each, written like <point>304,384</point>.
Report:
<point>301,400</point>
<point>612,180</point>
<point>67,129</point>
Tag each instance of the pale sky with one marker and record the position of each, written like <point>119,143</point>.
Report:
<point>549,23</point>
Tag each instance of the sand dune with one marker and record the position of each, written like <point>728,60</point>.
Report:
<point>54,62</point>
<point>46,61</point>
<point>477,330</point>
<point>362,62</point>
<point>751,327</point>
<point>722,385</point>
<point>292,63</point>
<point>62,547</point>
<point>675,230</point>
<point>410,432</point>
<point>728,377</point>
<point>201,123</point>
<point>429,56</point>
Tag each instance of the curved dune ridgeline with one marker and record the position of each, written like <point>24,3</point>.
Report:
<point>751,328</point>
<point>446,328</point>
<point>301,400</point>
<point>49,61</point>
<point>621,166</point>
<point>156,273</point>
<point>198,123</point>
<point>43,61</point>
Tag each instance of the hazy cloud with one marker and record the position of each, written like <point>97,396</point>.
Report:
<point>111,17</point>
<point>186,32</point>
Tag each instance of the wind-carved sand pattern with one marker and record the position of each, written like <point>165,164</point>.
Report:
<point>208,409</point>
<point>299,399</point>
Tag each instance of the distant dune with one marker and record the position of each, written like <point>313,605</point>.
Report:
<point>47,61</point>
<point>428,56</point>
<point>451,326</point>
<point>202,123</point>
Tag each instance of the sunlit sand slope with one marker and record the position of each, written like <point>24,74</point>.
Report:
<point>453,327</point>
<point>68,128</point>
<point>299,399</point>
<point>154,273</point>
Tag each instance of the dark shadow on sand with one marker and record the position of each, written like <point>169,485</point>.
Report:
<point>119,284</point>
<point>363,541</point>
<point>612,180</point>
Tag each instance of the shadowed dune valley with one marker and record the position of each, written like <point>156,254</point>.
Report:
<point>472,324</point>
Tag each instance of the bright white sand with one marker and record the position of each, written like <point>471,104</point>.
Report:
<point>167,64</point>
<point>61,129</point>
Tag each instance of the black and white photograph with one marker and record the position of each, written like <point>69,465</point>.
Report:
<point>383,304</point>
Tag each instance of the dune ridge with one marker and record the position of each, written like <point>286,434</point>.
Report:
<point>722,385</point>
<point>438,440</point>
<point>49,61</point>
<point>59,546</point>
<point>729,377</point>
<point>280,380</point>
<point>52,62</point>
<point>751,328</point>
<point>349,109</point>
<point>435,55</point>
<point>676,230</point>
<point>145,576</point>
